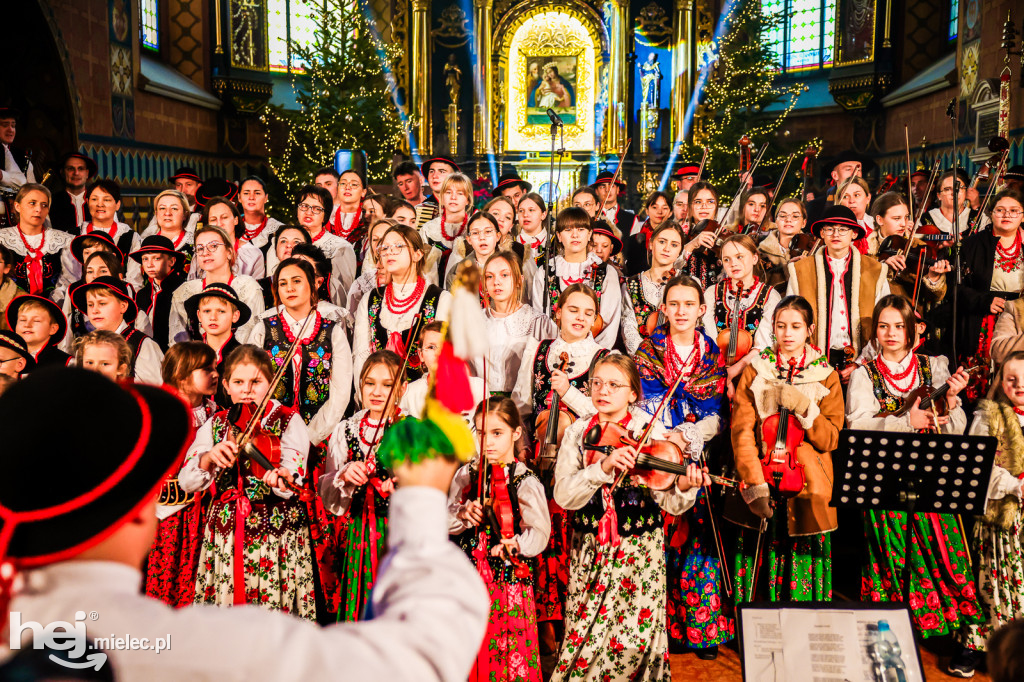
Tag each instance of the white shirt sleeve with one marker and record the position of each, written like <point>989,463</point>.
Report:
<point>611,308</point>
<point>522,394</point>
<point>861,406</point>
<point>177,323</point>
<point>251,295</point>
<point>339,392</point>
<point>147,365</point>
<point>575,483</point>
<point>191,477</point>
<point>536,519</point>
<point>335,491</point>
<point>455,505</point>
<point>343,267</point>
<point>361,336</point>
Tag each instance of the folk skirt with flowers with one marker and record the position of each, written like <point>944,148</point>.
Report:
<point>1000,559</point>
<point>172,560</point>
<point>943,598</point>
<point>269,535</point>
<point>615,611</point>
<point>797,568</point>
<point>553,567</point>
<point>363,546</point>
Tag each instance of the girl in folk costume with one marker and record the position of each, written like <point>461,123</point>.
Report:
<point>942,596</point>
<point>442,232</point>
<point>892,217</point>
<point>703,206</point>
<point>104,198</point>
<point>401,211</point>
<point>503,554</point>
<point>104,352</point>
<point>943,215</point>
<point>258,228</point>
<point>158,261</point>
<point>189,368</point>
<point>98,258</point>
<point>748,221</point>
<point>574,265</point>
<point>855,194</point>
<point>504,211</point>
<point>615,615</point>
<point>256,544</point>
<point>1008,334</point>
<point>36,266</point>
<point>642,292</point>
<point>743,299</point>
<point>356,488</point>
<point>776,250</point>
<point>511,324</point>
<point>481,240</point>
<point>533,217</point>
<point>215,255</point>
<point>249,260</point>
<point>679,350</point>
<point>637,246</point>
<point>993,265</point>
<point>386,314</point>
<point>284,240</point>
<point>996,542</point>
<point>350,219</point>
<point>790,374</point>
<point>606,245</point>
<point>172,220</point>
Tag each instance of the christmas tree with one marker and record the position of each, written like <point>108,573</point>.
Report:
<point>344,97</point>
<point>740,75</point>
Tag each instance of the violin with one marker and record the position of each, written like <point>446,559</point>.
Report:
<point>735,340</point>
<point>598,325</point>
<point>652,320</point>
<point>549,425</point>
<point>931,397</point>
<point>782,434</point>
<point>803,244</point>
<point>807,169</point>
<point>719,232</point>
<point>499,515</point>
<point>888,183</point>
<point>263,449</point>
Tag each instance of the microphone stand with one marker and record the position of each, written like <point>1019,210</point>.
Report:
<point>951,112</point>
<point>549,242</point>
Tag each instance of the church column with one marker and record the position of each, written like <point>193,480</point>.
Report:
<point>482,137</point>
<point>616,13</point>
<point>682,65</point>
<point>419,75</point>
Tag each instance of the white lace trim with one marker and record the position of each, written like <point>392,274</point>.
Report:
<point>56,240</point>
<point>567,270</point>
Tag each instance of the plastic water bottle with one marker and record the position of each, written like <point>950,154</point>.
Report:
<point>893,667</point>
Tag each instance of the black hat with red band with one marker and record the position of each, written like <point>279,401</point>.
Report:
<point>118,287</point>
<point>221,291</point>
<point>686,170</point>
<point>12,341</point>
<point>79,244</point>
<point>838,215</point>
<point>602,227</point>
<point>215,187</point>
<point>186,173</point>
<point>606,177</point>
<point>155,243</point>
<point>510,179</point>
<point>55,313</point>
<point>425,167</point>
<point>55,507</point>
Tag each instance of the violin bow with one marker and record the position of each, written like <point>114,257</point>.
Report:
<point>910,182</point>
<point>921,209</point>
<point>743,185</point>
<point>615,176</point>
<point>989,193</point>
<point>389,407</point>
<point>775,193</point>
<point>700,171</point>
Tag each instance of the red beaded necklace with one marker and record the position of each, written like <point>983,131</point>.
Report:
<point>339,225</point>
<point>1008,260</point>
<point>254,232</point>
<point>290,335</point>
<point>892,378</point>
<point>444,225</point>
<point>676,366</point>
<point>1019,410</point>
<point>400,306</point>
<point>364,423</point>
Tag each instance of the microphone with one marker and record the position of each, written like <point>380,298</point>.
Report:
<point>555,118</point>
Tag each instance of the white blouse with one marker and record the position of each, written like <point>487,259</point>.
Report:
<point>610,294</point>
<point>651,292</point>
<point>581,354</point>
<point>509,336</point>
<point>763,334</point>
<point>343,264</point>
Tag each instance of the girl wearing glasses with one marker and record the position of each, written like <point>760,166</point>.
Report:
<point>993,266</point>
<point>643,290</point>
<point>942,216</point>
<point>678,350</point>
<point>574,265</point>
<point>215,256</point>
<point>481,240</point>
<point>615,611</point>
<point>703,207</point>
<point>775,249</point>
<point>249,260</point>
<point>385,316</point>
<point>798,551</point>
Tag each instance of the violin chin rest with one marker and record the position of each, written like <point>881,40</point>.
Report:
<point>593,436</point>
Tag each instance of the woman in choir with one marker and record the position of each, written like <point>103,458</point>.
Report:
<point>942,595</point>
<point>642,292</point>
<point>657,209</point>
<point>371,276</point>
<point>354,487</point>
<point>615,611</point>
<point>532,213</point>
<point>249,260</point>
<point>173,221</point>
<point>258,228</point>
<point>637,245</point>
<point>748,221</point>
<point>36,266</point>
<point>855,194</point>
<point>284,240</point>
<point>509,651</point>
<point>703,206</point>
<point>789,374</point>
<point>776,249</point>
<point>942,215</point>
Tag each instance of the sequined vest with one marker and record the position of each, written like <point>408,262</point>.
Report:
<point>356,454</point>
<point>891,403</point>
<point>636,510</point>
<point>317,359</point>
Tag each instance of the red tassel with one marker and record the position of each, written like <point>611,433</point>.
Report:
<point>451,385</point>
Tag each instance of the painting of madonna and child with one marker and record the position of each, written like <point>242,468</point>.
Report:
<point>550,83</point>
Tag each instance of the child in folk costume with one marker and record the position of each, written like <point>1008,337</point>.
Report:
<point>642,291</point>
<point>740,297</point>
<point>442,232</point>
<point>574,265</point>
<point>892,218</point>
<point>42,325</point>
<point>98,256</point>
<point>219,312</point>
<point>163,277</point>
<point>386,314</point>
<point>702,266</point>
<point>509,649</point>
<point>996,542</point>
<point>615,613</point>
<point>942,594</point>
<point>355,487</point>
<point>798,548</point>
<point>256,543</point>
<point>532,215</point>
<point>479,243</point>
<point>190,368</point>
<point>776,249</point>
<point>415,397</point>
<point>637,246</point>
<point>371,275</point>
<point>105,352</point>
<point>679,350</point>
<point>15,358</point>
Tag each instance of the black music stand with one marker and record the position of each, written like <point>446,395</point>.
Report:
<point>911,472</point>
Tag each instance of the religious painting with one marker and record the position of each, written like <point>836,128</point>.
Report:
<point>551,84</point>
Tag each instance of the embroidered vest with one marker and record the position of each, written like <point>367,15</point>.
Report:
<point>595,278</point>
<point>52,270</point>
<point>636,510</point>
<point>317,359</point>
<point>890,402</point>
<point>641,308</point>
<point>542,377</point>
<point>379,337</point>
<point>751,316</point>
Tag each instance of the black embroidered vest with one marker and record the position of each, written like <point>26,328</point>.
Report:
<point>316,359</point>
<point>889,402</point>
<point>641,308</point>
<point>542,376</point>
<point>751,317</point>
<point>379,338</point>
<point>134,338</point>
<point>636,510</point>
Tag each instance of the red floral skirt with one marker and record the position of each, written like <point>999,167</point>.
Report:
<point>510,650</point>
<point>171,565</point>
<point>553,567</point>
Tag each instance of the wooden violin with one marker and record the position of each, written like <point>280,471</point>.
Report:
<point>263,449</point>
<point>782,434</point>
<point>651,323</point>
<point>598,324</point>
<point>547,422</point>
<point>807,170</point>
<point>735,340</point>
<point>931,397</point>
<point>803,244</point>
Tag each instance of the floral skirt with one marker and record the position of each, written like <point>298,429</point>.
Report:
<point>615,611</point>
<point>942,594</point>
<point>277,562</point>
<point>362,548</point>
<point>171,564</point>
<point>325,530</point>
<point>694,583</point>
<point>797,568</point>
<point>553,567</point>
<point>509,652</point>
<point>1000,581</point>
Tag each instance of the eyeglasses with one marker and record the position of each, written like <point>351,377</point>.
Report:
<point>350,185</point>
<point>596,385</point>
<point>1009,212</point>
<point>788,216</point>
<point>210,248</point>
<point>839,231</point>
<point>396,249</point>
<point>306,208</point>
<point>704,202</point>
<point>489,232</point>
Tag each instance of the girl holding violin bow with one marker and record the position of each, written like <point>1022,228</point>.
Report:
<point>901,391</point>
<point>498,514</point>
<point>788,389</point>
<point>615,615</point>
<point>888,243</point>
<point>642,291</point>
<point>786,242</point>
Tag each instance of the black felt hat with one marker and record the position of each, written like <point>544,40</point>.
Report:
<point>866,164</point>
<point>89,163</point>
<point>687,169</point>
<point>838,215</point>
<point>10,112</point>
<point>223,291</point>
<point>57,506</point>
<point>425,167</point>
<point>117,287</point>
<point>606,177</point>
<point>12,341</point>
<point>155,243</point>
<point>510,179</point>
<point>215,187</point>
<point>602,227</point>
<point>1014,173</point>
<point>55,312</point>
<point>78,244</point>
<point>186,173</point>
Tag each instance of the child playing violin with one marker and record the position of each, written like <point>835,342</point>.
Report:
<point>355,487</point>
<point>502,555</point>
<point>615,614</point>
<point>792,375</point>
<point>642,291</point>
<point>942,595</point>
<point>256,541</point>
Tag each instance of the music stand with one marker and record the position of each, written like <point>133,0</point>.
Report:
<point>907,471</point>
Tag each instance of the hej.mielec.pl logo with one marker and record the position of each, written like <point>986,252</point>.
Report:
<point>58,636</point>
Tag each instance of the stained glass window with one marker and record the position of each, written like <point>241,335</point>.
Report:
<point>803,37</point>
<point>290,19</point>
<point>954,12</point>
<point>150,25</point>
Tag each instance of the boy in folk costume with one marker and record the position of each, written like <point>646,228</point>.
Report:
<point>42,324</point>
<point>159,262</point>
<point>842,287</point>
<point>220,313</point>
